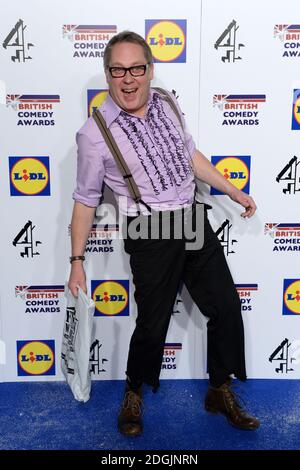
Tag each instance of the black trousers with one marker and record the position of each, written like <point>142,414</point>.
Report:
<point>158,268</point>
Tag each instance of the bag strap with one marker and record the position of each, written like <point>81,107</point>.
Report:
<point>119,159</point>
<point>113,147</point>
<point>174,108</point>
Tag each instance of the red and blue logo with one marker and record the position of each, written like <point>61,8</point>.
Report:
<point>89,41</point>
<point>169,361</point>
<point>245,292</point>
<point>34,110</point>
<point>291,297</point>
<point>289,35</point>
<point>239,110</point>
<point>235,169</point>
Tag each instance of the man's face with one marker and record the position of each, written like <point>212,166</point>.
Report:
<point>130,93</point>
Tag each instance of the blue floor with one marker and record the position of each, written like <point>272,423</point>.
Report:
<point>44,415</point>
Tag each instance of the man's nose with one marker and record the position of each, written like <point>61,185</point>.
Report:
<point>128,77</point>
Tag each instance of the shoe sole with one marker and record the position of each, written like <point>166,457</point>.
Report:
<point>129,434</point>
<point>216,412</point>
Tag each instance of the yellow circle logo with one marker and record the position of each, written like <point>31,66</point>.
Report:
<point>29,176</point>
<point>97,101</point>
<point>235,170</point>
<point>111,298</point>
<point>292,297</point>
<point>36,358</point>
<point>166,40</point>
<point>297,109</point>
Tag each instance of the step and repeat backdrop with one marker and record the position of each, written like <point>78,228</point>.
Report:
<point>234,67</point>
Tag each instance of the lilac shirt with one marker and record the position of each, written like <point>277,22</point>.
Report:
<point>157,152</point>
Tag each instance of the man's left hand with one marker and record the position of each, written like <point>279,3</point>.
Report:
<point>244,200</point>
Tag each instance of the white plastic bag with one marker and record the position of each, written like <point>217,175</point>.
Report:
<point>76,343</point>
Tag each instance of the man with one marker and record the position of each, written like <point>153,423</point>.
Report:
<point>164,162</point>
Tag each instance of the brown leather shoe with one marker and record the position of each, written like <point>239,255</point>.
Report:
<point>130,416</point>
<point>223,400</point>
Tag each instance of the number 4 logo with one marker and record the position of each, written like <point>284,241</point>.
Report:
<point>16,39</point>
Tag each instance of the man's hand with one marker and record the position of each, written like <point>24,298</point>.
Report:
<point>206,172</point>
<point>77,278</point>
<point>244,200</point>
<point>82,220</point>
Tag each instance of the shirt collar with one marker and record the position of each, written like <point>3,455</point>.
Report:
<point>111,110</point>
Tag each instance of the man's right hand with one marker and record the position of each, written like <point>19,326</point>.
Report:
<point>77,278</point>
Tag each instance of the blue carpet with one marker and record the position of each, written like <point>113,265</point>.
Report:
<point>44,416</point>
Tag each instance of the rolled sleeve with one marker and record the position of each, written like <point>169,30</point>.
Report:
<point>90,172</point>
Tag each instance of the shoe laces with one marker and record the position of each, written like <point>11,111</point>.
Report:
<point>133,402</point>
<point>233,398</point>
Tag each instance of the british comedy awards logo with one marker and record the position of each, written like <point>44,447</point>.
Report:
<point>239,110</point>
<point>170,357</point>
<point>245,292</point>
<point>291,297</point>
<point>167,40</point>
<point>29,176</point>
<point>34,110</point>
<point>289,176</point>
<point>285,237</point>
<point>36,357</point>
<point>89,41</point>
<point>40,299</point>
<point>111,298</point>
<point>228,43</point>
<point>101,238</point>
<point>289,36</point>
<point>95,99</point>
<point>16,41</point>
<point>235,169</point>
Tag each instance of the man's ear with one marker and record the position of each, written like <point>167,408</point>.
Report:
<point>107,76</point>
<point>151,71</point>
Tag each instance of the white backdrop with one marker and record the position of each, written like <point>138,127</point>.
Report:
<point>238,84</point>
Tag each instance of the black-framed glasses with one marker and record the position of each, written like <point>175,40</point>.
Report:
<point>135,71</point>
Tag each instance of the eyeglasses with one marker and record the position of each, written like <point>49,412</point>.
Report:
<point>135,71</point>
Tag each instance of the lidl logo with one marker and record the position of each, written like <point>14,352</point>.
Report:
<point>234,169</point>
<point>167,39</point>
<point>95,99</point>
<point>296,111</point>
<point>29,176</point>
<point>111,297</point>
<point>36,357</point>
<point>291,297</point>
